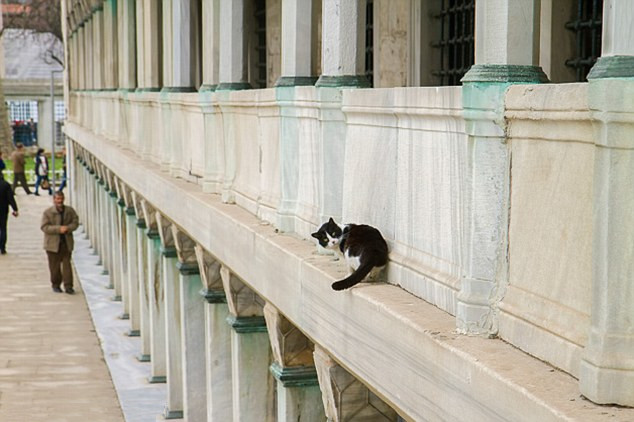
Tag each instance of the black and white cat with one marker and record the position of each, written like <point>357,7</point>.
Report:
<point>363,247</point>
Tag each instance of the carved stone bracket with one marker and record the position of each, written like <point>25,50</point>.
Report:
<point>345,397</point>
<point>245,306</point>
<point>168,248</point>
<point>187,262</point>
<point>149,215</point>
<point>138,210</point>
<point>213,289</point>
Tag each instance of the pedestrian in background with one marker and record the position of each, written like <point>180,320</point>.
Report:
<point>2,164</point>
<point>41,172</point>
<point>18,168</point>
<point>58,224</point>
<point>6,199</point>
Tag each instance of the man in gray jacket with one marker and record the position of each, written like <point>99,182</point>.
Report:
<point>58,224</point>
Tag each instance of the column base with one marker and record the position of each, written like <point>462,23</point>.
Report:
<point>116,298</point>
<point>105,272</point>
<point>343,81</point>
<point>208,88</point>
<point>233,86</point>
<point>173,414</point>
<point>178,89</point>
<point>612,67</point>
<point>157,379</point>
<point>244,325</point>
<point>606,385</point>
<point>505,73</point>
<point>290,81</point>
<point>143,358</point>
<point>124,316</point>
<point>133,333</point>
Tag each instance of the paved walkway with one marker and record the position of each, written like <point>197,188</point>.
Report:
<point>53,351</point>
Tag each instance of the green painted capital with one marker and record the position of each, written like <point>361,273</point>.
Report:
<point>285,81</point>
<point>113,194</point>
<point>147,89</point>
<point>153,234</point>
<point>246,325</point>
<point>214,296</point>
<point>505,73</point>
<point>178,89</point>
<point>100,181</point>
<point>343,81</point>
<point>140,223</point>
<point>612,67</point>
<point>168,251</point>
<point>121,202</point>
<point>295,376</point>
<point>188,268</point>
<point>125,90</point>
<point>130,211</point>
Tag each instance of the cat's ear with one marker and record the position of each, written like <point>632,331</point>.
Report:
<point>315,235</point>
<point>331,221</point>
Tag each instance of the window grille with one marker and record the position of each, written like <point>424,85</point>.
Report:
<point>22,110</point>
<point>587,28</point>
<point>369,41</point>
<point>456,40</point>
<point>260,46</point>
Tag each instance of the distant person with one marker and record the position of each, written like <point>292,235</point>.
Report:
<point>32,131</point>
<point>6,199</point>
<point>2,164</point>
<point>18,168</point>
<point>41,172</point>
<point>62,185</point>
<point>58,224</point>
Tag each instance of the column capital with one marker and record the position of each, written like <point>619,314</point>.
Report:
<point>295,376</point>
<point>246,325</point>
<point>612,67</point>
<point>505,73</point>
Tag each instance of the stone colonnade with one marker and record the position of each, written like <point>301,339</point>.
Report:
<point>224,352</point>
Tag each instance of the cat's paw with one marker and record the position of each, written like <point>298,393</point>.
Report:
<point>338,286</point>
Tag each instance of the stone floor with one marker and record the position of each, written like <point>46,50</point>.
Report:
<point>57,361</point>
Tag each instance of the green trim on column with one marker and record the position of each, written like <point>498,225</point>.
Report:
<point>130,211</point>
<point>214,296</point>
<point>188,268</point>
<point>343,81</point>
<point>173,414</point>
<point>208,88</point>
<point>140,223</point>
<point>116,298</point>
<point>133,333</point>
<point>178,89</point>
<point>246,325</point>
<point>505,73</point>
<point>295,376</point>
<point>612,67</point>
<point>113,194</point>
<point>233,86</point>
<point>168,251</point>
<point>158,379</point>
<point>100,181</point>
<point>121,203</point>
<point>285,81</point>
<point>153,233</point>
<point>126,90</point>
<point>124,316</point>
<point>141,357</point>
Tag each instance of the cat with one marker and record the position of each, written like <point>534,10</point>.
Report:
<point>363,247</point>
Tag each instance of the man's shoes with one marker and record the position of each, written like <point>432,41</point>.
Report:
<point>36,194</point>
<point>57,290</point>
<point>70,291</point>
<point>3,251</point>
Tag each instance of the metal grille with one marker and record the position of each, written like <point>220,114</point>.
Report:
<point>260,46</point>
<point>369,41</point>
<point>587,29</point>
<point>456,40</point>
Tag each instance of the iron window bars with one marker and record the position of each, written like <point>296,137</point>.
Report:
<point>587,29</point>
<point>456,46</point>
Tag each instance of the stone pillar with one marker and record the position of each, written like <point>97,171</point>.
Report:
<point>211,44</point>
<point>171,289</point>
<point>297,22</point>
<point>184,46</point>
<point>607,365</point>
<point>250,352</point>
<point>144,285</point>
<point>140,47</point>
<point>343,44</point>
<point>166,37</point>
<point>506,24</point>
<point>113,211</point>
<point>123,293</point>
<point>44,129</point>
<point>134,304</point>
<point>345,398</point>
<point>192,329</point>
<point>217,339</point>
<point>298,394</point>
<point>81,57</point>
<point>126,44</point>
<point>152,55</point>
<point>233,46</point>
<point>89,57</point>
<point>98,47</point>
<point>155,296</point>
<point>111,65</point>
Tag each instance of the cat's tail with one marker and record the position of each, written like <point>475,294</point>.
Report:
<point>354,278</point>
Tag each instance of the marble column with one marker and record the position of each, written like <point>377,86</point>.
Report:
<point>184,46</point>
<point>98,47</point>
<point>345,398</point>
<point>155,297</point>
<point>298,393</point>
<point>110,52</point>
<point>233,46</point>
<point>607,365</point>
<point>297,31</point>
<point>173,315</point>
<point>89,57</point>
<point>144,285</point>
<point>123,293</point>
<point>134,304</point>
<point>343,44</point>
<point>192,328</point>
<point>126,37</point>
<point>151,53</point>
<point>211,44</point>
<point>515,26</point>
<point>250,352</point>
<point>219,383</point>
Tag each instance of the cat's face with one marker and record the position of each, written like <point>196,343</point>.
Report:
<point>329,234</point>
